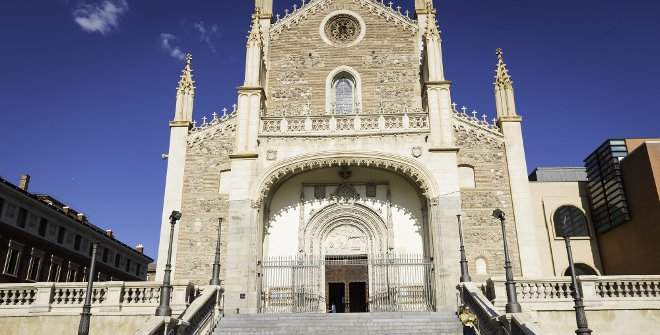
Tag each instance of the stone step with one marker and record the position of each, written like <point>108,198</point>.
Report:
<point>439,323</point>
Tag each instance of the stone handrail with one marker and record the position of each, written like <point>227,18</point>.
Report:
<point>200,318</point>
<point>345,124</point>
<point>610,292</point>
<point>480,314</point>
<point>68,298</point>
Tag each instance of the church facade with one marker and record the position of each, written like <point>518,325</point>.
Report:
<point>340,174</point>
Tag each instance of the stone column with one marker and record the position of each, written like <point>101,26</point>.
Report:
<point>176,161</point>
<point>442,219</point>
<point>242,239</point>
<point>530,240</point>
<point>440,114</point>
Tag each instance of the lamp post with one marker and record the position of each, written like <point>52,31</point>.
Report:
<point>580,315</point>
<point>465,272</point>
<point>164,308</point>
<point>86,315</point>
<point>215,277</point>
<point>512,305</point>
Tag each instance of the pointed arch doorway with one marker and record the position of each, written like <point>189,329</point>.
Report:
<point>355,236</point>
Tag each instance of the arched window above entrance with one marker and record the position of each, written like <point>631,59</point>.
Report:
<point>343,91</point>
<point>343,88</point>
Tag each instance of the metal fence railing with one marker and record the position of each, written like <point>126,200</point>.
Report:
<point>396,282</point>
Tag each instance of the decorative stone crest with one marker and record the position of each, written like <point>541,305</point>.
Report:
<point>271,155</point>
<point>342,29</point>
<point>416,152</point>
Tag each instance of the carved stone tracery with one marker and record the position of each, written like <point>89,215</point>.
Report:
<point>344,228</point>
<point>403,166</point>
<point>343,29</point>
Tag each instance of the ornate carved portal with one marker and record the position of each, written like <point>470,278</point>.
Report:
<point>345,261</point>
<point>345,229</point>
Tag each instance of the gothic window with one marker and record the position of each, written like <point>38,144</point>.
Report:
<point>570,221</point>
<point>343,87</point>
<point>466,177</point>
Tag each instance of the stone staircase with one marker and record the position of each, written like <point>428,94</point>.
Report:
<point>438,323</point>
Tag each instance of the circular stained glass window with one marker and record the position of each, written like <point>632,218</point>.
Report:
<point>342,29</point>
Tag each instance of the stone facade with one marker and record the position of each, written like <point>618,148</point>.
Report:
<point>207,156</point>
<point>259,166</point>
<point>300,61</point>
<point>484,152</point>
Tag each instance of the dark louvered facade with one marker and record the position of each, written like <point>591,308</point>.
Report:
<point>609,206</point>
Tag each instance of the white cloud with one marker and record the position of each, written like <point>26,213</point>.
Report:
<point>206,34</point>
<point>174,51</point>
<point>101,17</point>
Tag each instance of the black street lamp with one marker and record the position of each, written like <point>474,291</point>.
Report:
<point>164,308</point>
<point>580,315</point>
<point>86,315</point>
<point>215,277</point>
<point>465,272</point>
<point>512,305</point>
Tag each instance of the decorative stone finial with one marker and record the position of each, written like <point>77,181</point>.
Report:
<point>186,83</point>
<point>255,32</point>
<point>432,26</point>
<point>502,76</point>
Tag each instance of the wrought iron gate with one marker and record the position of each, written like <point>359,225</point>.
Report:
<point>397,282</point>
<point>401,282</point>
<point>292,285</point>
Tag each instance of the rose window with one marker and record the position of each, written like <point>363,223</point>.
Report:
<point>342,29</point>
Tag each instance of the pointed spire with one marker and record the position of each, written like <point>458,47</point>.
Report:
<point>504,96</point>
<point>431,25</point>
<point>255,37</point>
<point>186,83</point>
<point>502,77</point>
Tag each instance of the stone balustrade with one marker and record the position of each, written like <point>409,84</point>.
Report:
<point>608,292</point>
<point>107,297</point>
<point>345,124</point>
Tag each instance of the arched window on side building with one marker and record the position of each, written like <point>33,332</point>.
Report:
<point>581,269</point>
<point>570,221</point>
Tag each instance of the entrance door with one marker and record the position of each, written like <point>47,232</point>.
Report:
<point>336,296</point>
<point>357,294</point>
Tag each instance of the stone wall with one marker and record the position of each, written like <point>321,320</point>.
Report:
<point>207,156</point>
<point>484,152</point>
<point>387,60</point>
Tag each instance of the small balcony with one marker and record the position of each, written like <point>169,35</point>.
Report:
<point>345,124</point>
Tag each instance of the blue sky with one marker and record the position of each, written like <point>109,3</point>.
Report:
<point>87,87</point>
